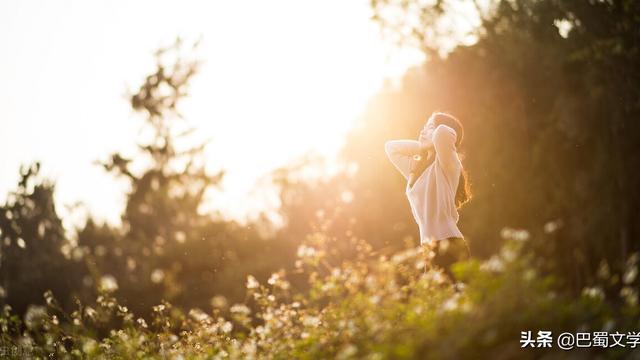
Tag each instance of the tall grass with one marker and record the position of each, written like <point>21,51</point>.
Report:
<point>373,307</point>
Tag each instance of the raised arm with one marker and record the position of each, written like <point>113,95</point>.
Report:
<point>444,142</point>
<point>400,153</point>
<point>402,147</point>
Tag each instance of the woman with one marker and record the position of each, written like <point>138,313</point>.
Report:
<point>436,186</point>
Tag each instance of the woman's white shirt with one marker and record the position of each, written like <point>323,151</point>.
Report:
<point>432,196</point>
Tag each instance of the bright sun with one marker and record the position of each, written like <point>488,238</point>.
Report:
<point>279,78</point>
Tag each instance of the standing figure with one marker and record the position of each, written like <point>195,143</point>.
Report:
<point>436,187</point>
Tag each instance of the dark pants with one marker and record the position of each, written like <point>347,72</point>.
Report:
<point>449,251</point>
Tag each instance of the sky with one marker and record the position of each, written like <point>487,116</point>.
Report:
<point>284,77</point>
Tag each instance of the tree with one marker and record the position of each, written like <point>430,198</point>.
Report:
<point>34,251</point>
<point>167,247</point>
<point>551,138</point>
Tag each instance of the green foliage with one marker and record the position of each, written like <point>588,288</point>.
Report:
<point>167,247</point>
<point>551,138</point>
<point>33,245</point>
<point>551,146</point>
<point>162,212</point>
<point>376,307</point>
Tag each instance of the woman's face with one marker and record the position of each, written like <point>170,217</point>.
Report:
<point>429,127</point>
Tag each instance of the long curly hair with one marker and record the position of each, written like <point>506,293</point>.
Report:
<point>463,192</point>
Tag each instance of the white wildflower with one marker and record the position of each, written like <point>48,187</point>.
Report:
<point>306,251</point>
<point>552,226</point>
<point>227,327</point>
<point>630,275</point>
<point>594,292</point>
<point>108,283</point>
<point>89,346</point>
<point>252,283</point>
<point>494,264</point>
<point>198,315</point>
<point>142,322</point>
<point>240,309</point>
<point>347,352</point>
<point>34,316</point>
<point>157,276</point>
<point>450,304</point>
<point>273,278</point>
<point>219,301</point>
<point>311,321</point>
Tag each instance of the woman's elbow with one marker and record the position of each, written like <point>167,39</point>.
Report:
<point>388,147</point>
<point>443,136</point>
